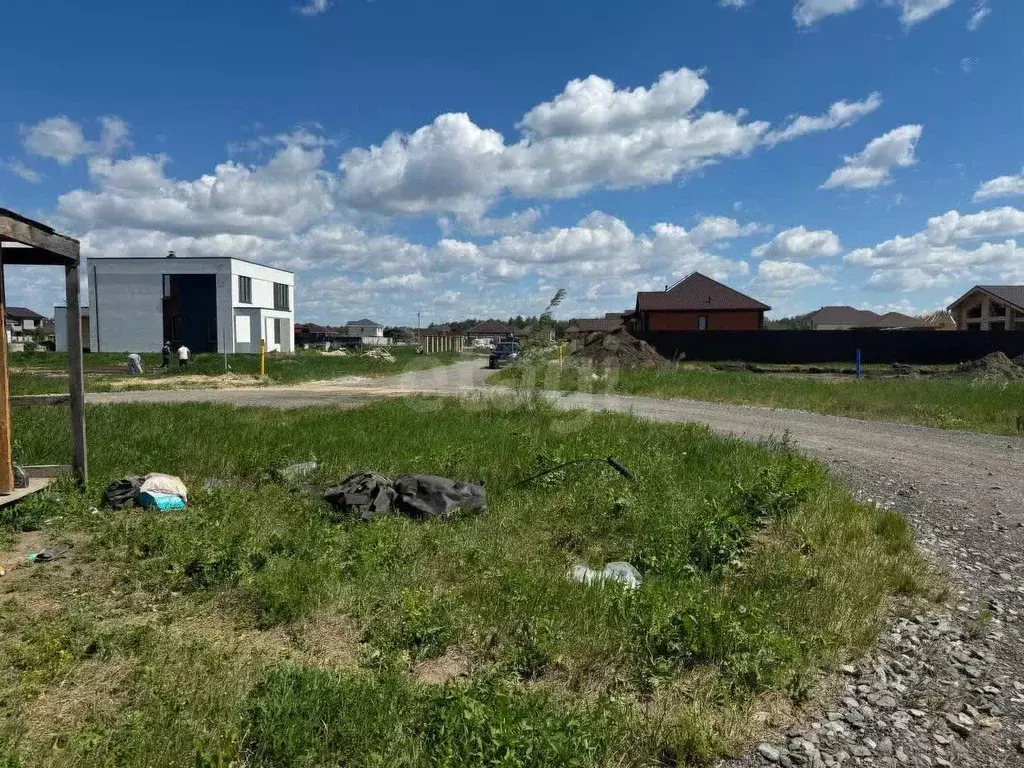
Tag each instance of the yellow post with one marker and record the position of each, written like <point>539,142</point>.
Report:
<point>263,357</point>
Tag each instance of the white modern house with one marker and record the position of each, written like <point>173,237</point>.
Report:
<point>369,332</point>
<point>210,304</point>
<point>22,323</point>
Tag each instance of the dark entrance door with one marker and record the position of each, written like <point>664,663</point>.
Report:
<point>190,311</point>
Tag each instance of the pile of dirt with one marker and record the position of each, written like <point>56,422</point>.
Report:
<point>993,366</point>
<point>617,349</point>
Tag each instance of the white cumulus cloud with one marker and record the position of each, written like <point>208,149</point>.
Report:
<point>1003,186</point>
<point>22,171</point>
<point>62,139</point>
<point>872,167</point>
<point>946,252</point>
<point>800,243</point>
<point>313,7</point>
<point>592,135</point>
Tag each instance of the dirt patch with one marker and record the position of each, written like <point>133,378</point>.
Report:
<point>994,366</point>
<point>438,671</point>
<point>330,640</point>
<point>17,567</point>
<point>222,381</point>
<point>617,349</point>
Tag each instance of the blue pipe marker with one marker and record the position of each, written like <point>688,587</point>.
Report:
<point>858,363</point>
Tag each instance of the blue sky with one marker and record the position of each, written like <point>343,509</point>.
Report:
<point>469,158</point>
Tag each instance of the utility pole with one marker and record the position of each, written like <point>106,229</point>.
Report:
<point>419,335</point>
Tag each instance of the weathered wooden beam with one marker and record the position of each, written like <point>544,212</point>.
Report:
<point>76,372</point>
<point>30,256</point>
<point>18,400</point>
<point>47,470</point>
<point>23,232</point>
<point>6,461</point>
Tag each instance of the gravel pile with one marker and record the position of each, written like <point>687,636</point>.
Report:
<point>617,349</point>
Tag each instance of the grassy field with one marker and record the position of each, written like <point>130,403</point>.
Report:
<point>973,404</point>
<point>255,628</point>
<point>33,373</point>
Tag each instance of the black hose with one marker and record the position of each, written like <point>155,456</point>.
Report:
<point>611,461</point>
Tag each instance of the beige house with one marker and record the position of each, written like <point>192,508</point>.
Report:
<point>990,308</point>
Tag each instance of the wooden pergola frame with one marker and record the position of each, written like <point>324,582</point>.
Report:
<point>27,242</point>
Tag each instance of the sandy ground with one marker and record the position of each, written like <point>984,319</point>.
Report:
<point>963,492</point>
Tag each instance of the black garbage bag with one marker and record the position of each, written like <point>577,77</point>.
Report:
<point>366,494</point>
<point>434,496</point>
<point>369,495</point>
<point>122,493</point>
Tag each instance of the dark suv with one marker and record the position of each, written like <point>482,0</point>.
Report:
<point>504,352</point>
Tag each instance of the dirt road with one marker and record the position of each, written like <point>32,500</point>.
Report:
<point>963,492</point>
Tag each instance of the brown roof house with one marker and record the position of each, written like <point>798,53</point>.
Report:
<point>585,326</point>
<point>490,329</point>
<point>848,318</point>
<point>698,303</point>
<point>990,308</point>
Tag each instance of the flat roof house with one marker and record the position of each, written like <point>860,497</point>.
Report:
<point>990,308</point>
<point>209,304</point>
<point>698,303</point>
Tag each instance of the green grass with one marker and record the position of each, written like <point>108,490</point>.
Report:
<point>979,405</point>
<point>256,628</point>
<point>45,372</point>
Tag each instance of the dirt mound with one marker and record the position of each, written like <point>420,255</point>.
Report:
<point>617,349</point>
<point>993,366</point>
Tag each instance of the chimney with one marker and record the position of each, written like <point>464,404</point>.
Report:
<point>666,289</point>
<point>172,255</point>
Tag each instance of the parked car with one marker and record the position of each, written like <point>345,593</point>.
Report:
<point>504,352</point>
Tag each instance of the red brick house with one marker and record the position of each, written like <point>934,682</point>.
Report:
<point>698,303</point>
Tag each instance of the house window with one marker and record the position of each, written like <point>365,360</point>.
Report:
<point>167,286</point>
<point>281,296</point>
<point>277,330</point>
<point>702,322</point>
<point>244,289</point>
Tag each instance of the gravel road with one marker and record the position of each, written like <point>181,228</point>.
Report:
<point>943,689</point>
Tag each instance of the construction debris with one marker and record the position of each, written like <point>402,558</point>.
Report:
<point>617,349</point>
<point>992,366</point>
<point>380,354</point>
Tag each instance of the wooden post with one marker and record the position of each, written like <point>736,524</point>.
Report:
<point>76,373</point>
<point>263,357</point>
<point>6,461</point>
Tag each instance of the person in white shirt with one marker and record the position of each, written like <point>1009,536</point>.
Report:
<point>183,354</point>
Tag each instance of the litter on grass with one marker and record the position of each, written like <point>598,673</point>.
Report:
<point>619,572</point>
<point>368,495</point>
<point>153,491</point>
<point>294,472</point>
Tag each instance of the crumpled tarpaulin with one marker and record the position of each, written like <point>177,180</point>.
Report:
<point>369,495</point>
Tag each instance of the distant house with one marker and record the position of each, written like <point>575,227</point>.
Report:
<point>849,318</point>
<point>586,326</point>
<point>990,308</point>
<point>698,303</point>
<point>369,332</point>
<point>22,324</point>
<point>490,330</point>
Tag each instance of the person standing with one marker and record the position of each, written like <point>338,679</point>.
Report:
<point>166,355</point>
<point>183,354</point>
